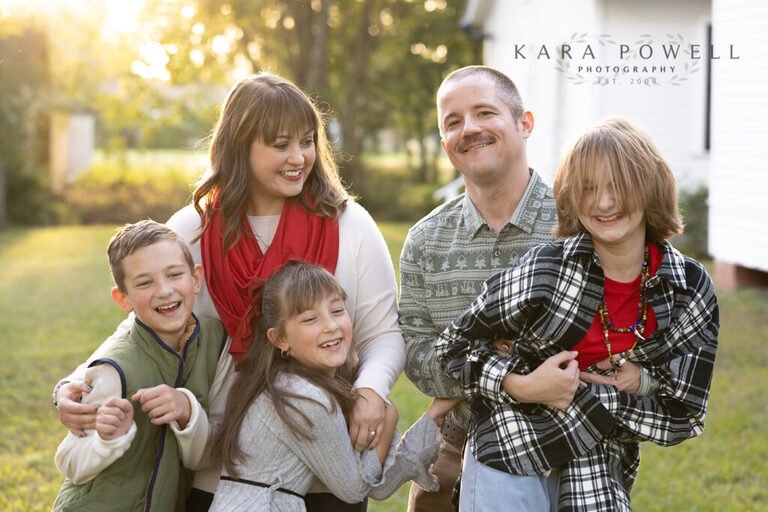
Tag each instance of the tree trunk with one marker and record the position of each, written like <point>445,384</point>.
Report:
<point>353,135</point>
<point>302,15</point>
<point>317,76</point>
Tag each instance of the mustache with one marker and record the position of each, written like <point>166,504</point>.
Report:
<point>473,139</point>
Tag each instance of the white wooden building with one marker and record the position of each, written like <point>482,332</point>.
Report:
<point>738,182</point>
<point>676,68</point>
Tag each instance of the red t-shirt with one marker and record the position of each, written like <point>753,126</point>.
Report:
<point>621,300</point>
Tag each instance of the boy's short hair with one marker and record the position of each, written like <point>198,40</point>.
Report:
<point>132,237</point>
<point>636,169</point>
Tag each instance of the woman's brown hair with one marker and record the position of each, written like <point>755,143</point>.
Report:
<point>258,371</point>
<point>635,168</point>
<point>262,107</point>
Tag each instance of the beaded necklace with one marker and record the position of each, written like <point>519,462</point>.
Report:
<point>637,328</point>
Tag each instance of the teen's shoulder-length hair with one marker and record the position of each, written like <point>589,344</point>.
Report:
<point>262,107</point>
<point>633,166</point>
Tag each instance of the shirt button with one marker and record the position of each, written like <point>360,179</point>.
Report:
<point>497,253</point>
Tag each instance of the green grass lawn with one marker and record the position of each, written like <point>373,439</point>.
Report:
<point>55,308</point>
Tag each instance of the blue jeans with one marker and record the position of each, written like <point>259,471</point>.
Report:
<point>484,489</point>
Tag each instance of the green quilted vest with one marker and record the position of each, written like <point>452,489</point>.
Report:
<point>149,476</point>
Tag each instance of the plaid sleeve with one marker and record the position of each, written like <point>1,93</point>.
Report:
<point>466,347</point>
<point>678,410</point>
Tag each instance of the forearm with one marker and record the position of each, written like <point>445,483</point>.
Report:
<point>192,439</point>
<point>676,411</point>
<point>410,460</point>
<point>81,459</point>
<point>381,362</point>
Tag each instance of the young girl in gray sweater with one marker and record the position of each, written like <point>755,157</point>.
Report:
<point>286,417</point>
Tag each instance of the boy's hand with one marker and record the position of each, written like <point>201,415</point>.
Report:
<point>114,418</point>
<point>75,416</point>
<point>164,404</point>
<point>440,407</point>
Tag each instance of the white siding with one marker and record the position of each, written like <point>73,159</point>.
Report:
<point>738,201</point>
<point>674,116</point>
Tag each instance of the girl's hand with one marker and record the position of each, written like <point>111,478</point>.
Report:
<point>440,407</point>
<point>164,404</point>
<point>365,422</point>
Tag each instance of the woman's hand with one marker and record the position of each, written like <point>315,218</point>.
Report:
<point>77,417</point>
<point>365,422</point>
<point>626,378</point>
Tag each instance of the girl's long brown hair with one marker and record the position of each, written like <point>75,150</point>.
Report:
<point>262,107</point>
<point>293,289</point>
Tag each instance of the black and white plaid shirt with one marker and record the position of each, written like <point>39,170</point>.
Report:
<point>545,305</point>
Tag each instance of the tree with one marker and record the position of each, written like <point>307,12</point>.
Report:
<point>23,80</point>
<point>377,62</point>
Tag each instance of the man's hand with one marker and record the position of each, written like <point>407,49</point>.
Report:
<point>75,416</point>
<point>367,416</point>
<point>114,418</point>
<point>626,378</point>
<point>553,383</point>
<point>164,404</point>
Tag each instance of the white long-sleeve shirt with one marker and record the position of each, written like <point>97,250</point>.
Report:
<point>81,459</point>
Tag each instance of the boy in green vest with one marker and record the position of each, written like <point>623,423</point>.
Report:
<point>151,383</point>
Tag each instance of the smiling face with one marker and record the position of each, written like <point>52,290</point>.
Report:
<point>613,223</point>
<point>319,337</point>
<point>160,288</point>
<point>479,133</point>
<point>279,170</point>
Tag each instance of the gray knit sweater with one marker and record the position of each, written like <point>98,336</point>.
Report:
<point>274,456</point>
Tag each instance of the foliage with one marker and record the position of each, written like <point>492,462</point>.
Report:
<point>55,306</point>
<point>23,82</point>
<point>390,196</point>
<point>377,63</point>
<point>125,187</point>
<point>695,209</point>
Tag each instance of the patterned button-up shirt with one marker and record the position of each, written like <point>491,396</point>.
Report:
<point>446,258</point>
<point>545,305</point>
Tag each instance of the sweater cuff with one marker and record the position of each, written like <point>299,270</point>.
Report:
<point>118,446</point>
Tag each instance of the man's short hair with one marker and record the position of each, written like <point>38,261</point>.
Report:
<point>505,87</point>
<point>636,169</point>
<point>132,237</point>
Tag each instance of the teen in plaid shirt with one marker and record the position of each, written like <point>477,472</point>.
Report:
<point>615,291</point>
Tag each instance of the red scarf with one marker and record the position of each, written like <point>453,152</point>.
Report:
<point>232,276</point>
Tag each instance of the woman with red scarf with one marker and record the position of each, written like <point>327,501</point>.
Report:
<point>273,194</point>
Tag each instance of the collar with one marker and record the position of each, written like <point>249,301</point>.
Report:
<point>672,267</point>
<point>524,216</point>
<point>192,329</point>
